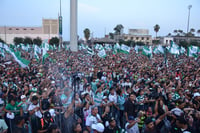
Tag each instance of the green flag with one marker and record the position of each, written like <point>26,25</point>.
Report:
<point>147,51</point>
<point>193,51</point>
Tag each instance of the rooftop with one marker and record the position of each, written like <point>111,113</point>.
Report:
<point>20,30</point>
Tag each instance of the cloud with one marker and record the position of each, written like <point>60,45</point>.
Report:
<point>87,8</point>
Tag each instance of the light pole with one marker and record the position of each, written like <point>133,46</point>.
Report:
<point>60,26</point>
<point>189,7</point>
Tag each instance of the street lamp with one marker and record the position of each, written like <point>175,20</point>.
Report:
<point>189,7</point>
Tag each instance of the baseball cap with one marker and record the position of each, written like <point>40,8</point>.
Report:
<point>98,127</point>
<point>22,97</point>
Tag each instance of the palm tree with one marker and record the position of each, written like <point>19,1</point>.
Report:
<point>169,34</point>
<point>192,30</point>
<point>87,34</point>
<point>118,29</point>
<point>198,31</point>
<point>180,31</point>
<point>156,29</point>
<point>175,31</point>
<point>111,35</point>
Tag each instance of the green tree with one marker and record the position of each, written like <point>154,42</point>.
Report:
<point>198,31</point>
<point>192,30</point>
<point>27,40</point>
<point>195,43</point>
<point>1,41</point>
<point>184,43</point>
<point>156,42</point>
<point>180,31</point>
<point>169,34</point>
<point>86,34</point>
<point>140,43</point>
<point>156,29</point>
<point>119,29</point>
<point>54,41</point>
<point>175,31</point>
<point>37,41</point>
<point>111,35</point>
<point>18,40</point>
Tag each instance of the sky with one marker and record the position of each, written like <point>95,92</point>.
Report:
<point>101,16</point>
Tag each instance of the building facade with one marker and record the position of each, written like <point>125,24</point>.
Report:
<point>48,30</point>
<point>166,40</point>
<point>138,35</point>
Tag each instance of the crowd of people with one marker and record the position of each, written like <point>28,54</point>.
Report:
<point>73,92</point>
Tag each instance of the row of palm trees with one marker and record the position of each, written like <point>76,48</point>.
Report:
<point>178,32</point>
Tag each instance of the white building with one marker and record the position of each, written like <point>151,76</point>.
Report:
<point>166,40</point>
<point>48,30</point>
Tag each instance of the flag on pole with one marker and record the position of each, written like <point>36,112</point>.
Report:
<point>90,51</point>
<point>102,53</point>
<point>193,51</point>
<point>108,47</point>
<point>82,46</point>
<point>174,49</point>
<point>17,57</point>
<point>138,48</point>
<point>158,49</point>
<point>147,51</point>
<point>125,49</point>
<point>37,50</point>
<point>182,50</point>
<point>45,48</point>
<point>24,47</point>
<point>97,46</point>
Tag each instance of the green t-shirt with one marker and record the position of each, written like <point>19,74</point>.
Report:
<point>13,108</point>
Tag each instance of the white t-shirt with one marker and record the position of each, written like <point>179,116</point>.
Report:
<point>92,120</point>
<point>37,113</point>
<point>112,98</point>
<point>133,129</point>
<point>3,125</point>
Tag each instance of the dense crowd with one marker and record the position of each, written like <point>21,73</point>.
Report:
<point>73,92</point>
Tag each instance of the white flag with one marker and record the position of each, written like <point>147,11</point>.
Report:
<point>125,49</point>
<point>102,53</point>
<point>193,51</point>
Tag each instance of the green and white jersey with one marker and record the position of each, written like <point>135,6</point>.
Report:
<point>98,98</point>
